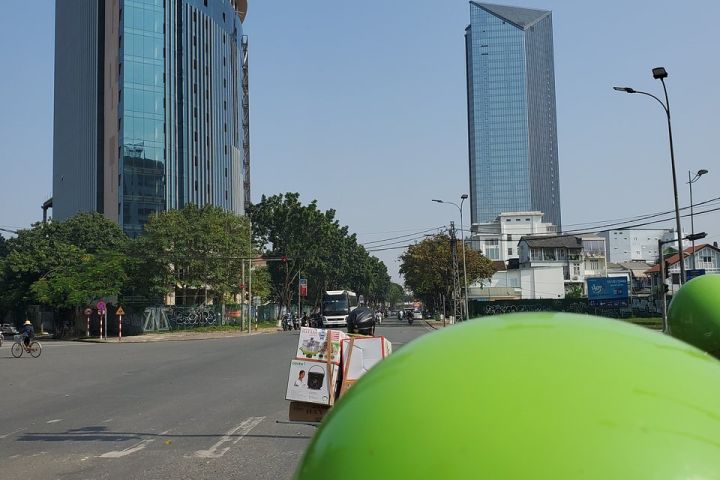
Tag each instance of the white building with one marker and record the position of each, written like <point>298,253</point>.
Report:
<point>635,244</point>
<point>498,240</point>
<point>707,257</point>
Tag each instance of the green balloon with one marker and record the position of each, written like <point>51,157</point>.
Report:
<point>528,396</point>
<point>694,314</point>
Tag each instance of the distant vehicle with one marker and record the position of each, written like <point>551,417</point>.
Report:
<point>417,314</point>
<point>336,306</point>
<point>8,329</point>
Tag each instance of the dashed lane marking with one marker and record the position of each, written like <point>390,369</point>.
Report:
<point>130,450</point>
<point>232,437</point>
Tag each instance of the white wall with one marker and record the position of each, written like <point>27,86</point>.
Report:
<point>542,282</point>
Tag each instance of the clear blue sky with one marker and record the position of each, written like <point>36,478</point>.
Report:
<point>373,93</point>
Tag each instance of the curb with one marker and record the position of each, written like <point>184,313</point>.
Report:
<point>167,338</point>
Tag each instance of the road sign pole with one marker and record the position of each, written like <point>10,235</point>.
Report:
<point>120,328</point>
<point>87,329</point>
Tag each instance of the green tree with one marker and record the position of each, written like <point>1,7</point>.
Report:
<point>316,247</point>
<point>63,265</point>
<point>201,250</point>
<point>395,295</point>
<point>427,268</point>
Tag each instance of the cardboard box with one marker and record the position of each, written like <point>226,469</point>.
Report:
<point>309,381</point>
<point>312,344</point>
<point>307,412</point>
<point>360,354</point>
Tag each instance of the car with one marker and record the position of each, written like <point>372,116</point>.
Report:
<point>417,314</point>
<point>8,329</point>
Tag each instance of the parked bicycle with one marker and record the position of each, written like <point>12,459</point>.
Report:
<point>19,347</point>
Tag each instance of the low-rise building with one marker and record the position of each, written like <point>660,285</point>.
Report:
<point>498,240</point>
<point>706,257</point>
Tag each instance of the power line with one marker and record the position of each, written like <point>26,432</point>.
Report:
<point>403,236</point>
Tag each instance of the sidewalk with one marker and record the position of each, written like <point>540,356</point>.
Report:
<point>179,336</point>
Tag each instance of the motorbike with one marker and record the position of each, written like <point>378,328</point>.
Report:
<point>410,318</point>
<point>296,323</point>
<point>286,323</point>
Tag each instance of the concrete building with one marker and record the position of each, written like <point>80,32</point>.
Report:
<point>512,127</point>
<point>637,244</point>
<point>498,240</point>
<point>149,107</point>
<point>549,267</point>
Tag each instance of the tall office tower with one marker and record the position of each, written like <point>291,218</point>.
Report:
<point>148,107</point>
<point>512,133</point>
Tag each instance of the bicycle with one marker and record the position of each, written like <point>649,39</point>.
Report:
<point>34,349</point>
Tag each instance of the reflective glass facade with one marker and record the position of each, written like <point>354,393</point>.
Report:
<point>511,113</point>
<point>142,109</point>
<point>148,107</point>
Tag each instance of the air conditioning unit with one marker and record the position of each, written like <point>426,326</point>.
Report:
<point>575,277</point>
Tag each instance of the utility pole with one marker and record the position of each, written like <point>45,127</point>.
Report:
<point>458,304</point>
<point>661,287</point>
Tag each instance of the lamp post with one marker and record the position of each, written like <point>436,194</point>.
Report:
<point>692,180</point>
<point>659,73</point>
<point>463,197</point>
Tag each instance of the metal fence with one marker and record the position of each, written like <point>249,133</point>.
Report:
<point>637,307</point>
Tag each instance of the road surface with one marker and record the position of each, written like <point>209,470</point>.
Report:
<point>199,409</point>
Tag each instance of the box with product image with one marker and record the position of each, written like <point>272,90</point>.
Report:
<point>360,354</point>
<point>312,344</point>
<point>310,381</point>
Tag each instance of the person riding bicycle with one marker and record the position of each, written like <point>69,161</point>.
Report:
<point>28,333</point>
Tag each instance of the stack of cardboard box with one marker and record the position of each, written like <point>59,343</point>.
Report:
<point>326,363</point>
<point>314,372</point>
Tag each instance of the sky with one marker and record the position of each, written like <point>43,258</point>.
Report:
<point>362,106</point>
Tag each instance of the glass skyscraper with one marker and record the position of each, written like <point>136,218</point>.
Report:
<point>148,107</point>
<point>512,132</point>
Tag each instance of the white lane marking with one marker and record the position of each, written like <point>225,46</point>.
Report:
<point>12,433</point>
<point>234,435</point>
<point>54,421</point>
<point>130,450</point>
<point>107,421</point>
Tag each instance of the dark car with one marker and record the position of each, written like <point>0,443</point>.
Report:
<point>8,329</point>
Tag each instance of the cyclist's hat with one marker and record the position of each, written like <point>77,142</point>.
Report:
<point>27,322</point>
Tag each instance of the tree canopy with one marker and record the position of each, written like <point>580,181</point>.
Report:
<point>313,245</point>
<point>427,268</point>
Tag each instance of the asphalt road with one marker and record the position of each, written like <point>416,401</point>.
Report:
<point>198,409</point>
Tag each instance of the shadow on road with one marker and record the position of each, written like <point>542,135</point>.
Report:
<point>102,434</point>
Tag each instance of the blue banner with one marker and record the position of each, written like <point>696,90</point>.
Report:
<point>608,292</point>
<point>690,274</point>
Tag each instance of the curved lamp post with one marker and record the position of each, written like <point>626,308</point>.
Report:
<point>692,180</point>
<point>659,73</point>
<point>463,197</point>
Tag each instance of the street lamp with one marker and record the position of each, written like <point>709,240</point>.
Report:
<point>659,73</point>
<point>463,197</point>
<point>692,180</point>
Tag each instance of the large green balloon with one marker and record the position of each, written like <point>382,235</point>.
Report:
<point>694,314</point>
<point>528,396</point>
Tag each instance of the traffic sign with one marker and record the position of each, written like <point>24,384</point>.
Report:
<point>120,311</point>
<point>303,287</point>
<point>87,312</point>
<point>101,306</point>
